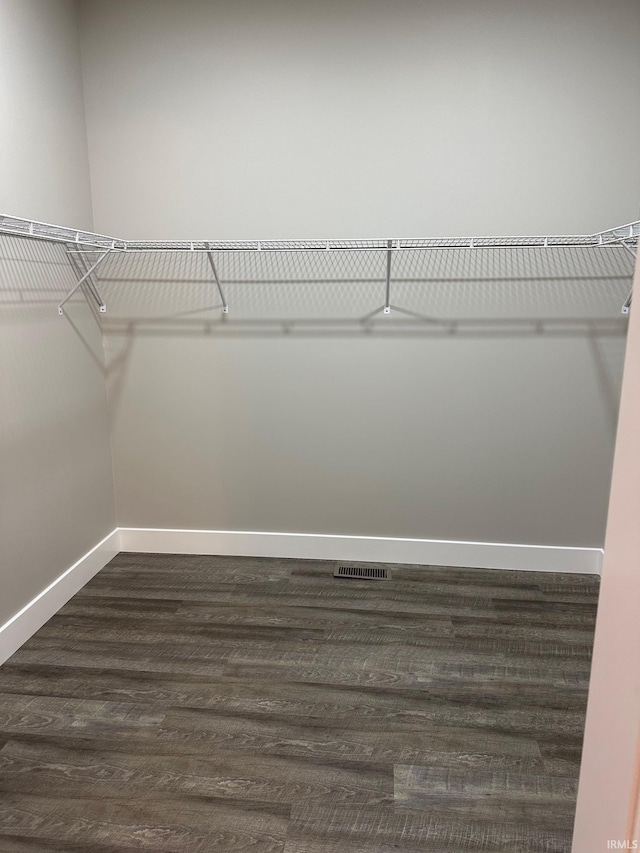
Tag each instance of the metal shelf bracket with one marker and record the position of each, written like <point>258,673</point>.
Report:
<point>86,278</point>
<point>387,297</point>
<point>627,303</point>
<point>225,307</point>
<point>80,267</point>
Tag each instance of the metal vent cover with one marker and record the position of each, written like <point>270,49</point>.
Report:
<point>370,573</point>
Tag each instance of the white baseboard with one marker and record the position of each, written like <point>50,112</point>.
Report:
<point>316,546</point>
<point>302,546</point>
<point>40,609</point>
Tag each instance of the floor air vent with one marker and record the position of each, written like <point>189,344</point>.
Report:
<point>369,573</point>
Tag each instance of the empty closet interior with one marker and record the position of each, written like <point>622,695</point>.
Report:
<point>303,504</point>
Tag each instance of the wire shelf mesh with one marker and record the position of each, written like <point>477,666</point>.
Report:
<point>627,234</point>
<point>428,287</point>
<point>55,233</point>
<point>436,281</point>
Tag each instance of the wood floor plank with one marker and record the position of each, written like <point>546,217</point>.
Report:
<point>404,584</point>
<point>145,657</point>
<point>186,728</point>
<point>473,628</point>
<point>225,569</point>
<point>144,631</point>
<point>53,715</point>
<point>521,643</point>
<point>313,617</point>
<point>462,576</point>
<point>178,825</point>
<point>17,844</point>
<point>488,795</point>
<point>38,769</point>
<point>320,829</point>
<point>225,703</point>
<point>174,629</point>
<point>292,593</point>
<point>420,677</point>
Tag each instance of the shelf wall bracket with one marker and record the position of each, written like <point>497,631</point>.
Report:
<point>85,278</point>
<point>387,297</point>
<point>225,307</point>
<point>80,267</point>
<point>628,248</point>
<point>627,303</point>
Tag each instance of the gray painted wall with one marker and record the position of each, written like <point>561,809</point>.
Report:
<point>44,168</point>
<point>56,491</point>
<point>279,119</point>
<point>358,118</point>
<point>488,414</point>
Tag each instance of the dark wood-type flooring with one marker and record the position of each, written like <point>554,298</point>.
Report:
<point>193,704</point>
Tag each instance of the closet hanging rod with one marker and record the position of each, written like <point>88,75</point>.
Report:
<point>85,242</point>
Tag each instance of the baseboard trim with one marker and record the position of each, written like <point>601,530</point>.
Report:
<point>40,609</point>
<point>316,546</point>
<point>302,546</point>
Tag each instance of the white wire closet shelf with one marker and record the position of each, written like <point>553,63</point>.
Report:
<point>87,251</point>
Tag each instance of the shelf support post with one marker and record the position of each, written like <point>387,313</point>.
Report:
<point>225,307</point>
<point>80,267</point>
<point>84,278</point>
<point>628,248</point>
<point>627,303</point>
<point>387,297</point>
